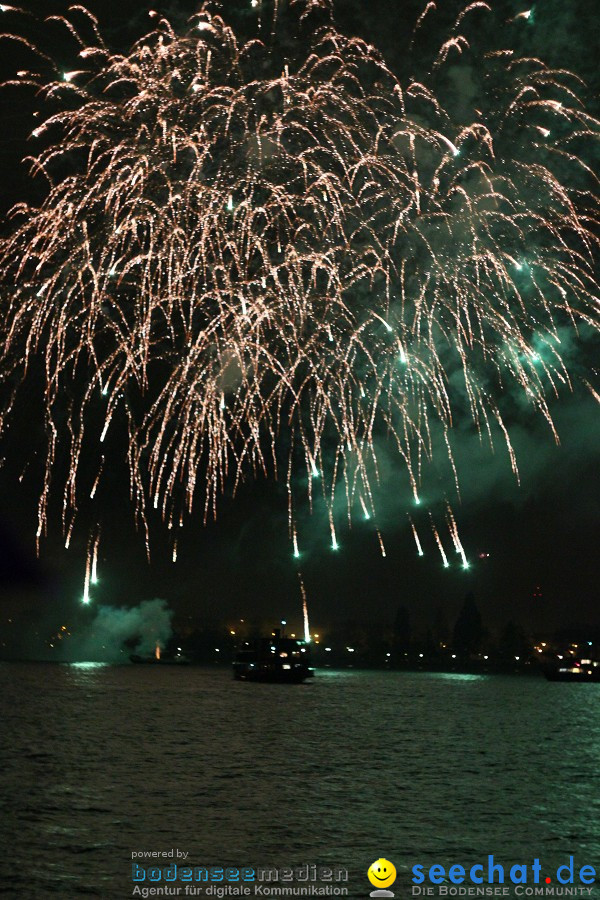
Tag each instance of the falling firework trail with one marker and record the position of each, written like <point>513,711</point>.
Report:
<point>334,542</point>
<point>416,537</point>
<point>94,574</point>
<point>86,583</point>
<point>453,528</point>
<point>304,610</point>
<point>235,258</point>
<point>439,542</point>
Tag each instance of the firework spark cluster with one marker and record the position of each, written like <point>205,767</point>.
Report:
<point>266,266</point>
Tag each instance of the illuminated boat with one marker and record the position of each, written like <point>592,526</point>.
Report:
<point>273,659</point>
<point>582,671</point>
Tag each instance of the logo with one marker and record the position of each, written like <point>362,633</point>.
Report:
<point>381,873</point>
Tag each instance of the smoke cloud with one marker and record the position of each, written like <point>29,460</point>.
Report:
<point>115,632</point>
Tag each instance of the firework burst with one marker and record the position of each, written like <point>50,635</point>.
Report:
<point>259,261</point>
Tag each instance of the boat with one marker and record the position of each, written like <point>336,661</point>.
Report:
<point>276,659</point>
<point>581,671</point>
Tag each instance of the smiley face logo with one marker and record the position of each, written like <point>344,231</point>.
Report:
<point>382,873</point>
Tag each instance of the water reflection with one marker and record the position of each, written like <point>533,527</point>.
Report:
<point>87,665</point>
<point>419,767</point>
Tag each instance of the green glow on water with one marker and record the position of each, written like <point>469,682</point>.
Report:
<point>457,676</point>
<point>87,665</point>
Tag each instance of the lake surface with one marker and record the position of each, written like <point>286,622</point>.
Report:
<point>97,762</point>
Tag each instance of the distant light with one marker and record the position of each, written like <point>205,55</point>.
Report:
<point>454,656</point>
<point>283,622</point>
<point>388,654</point>
<point>254,3</point>
<point>517,658</point>
<point>230,204</point>
<point>350,649</point>
<point>232,632</point>
<point>420,656</point>
<point>217,650</point>
<point>485,657</point>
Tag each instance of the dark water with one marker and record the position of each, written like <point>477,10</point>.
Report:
<point>97,762</point>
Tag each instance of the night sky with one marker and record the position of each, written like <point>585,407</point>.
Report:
<point>541,536</point>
